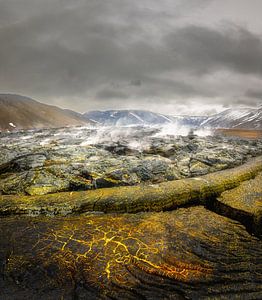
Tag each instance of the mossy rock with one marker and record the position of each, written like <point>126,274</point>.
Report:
<point>133,199</point>
<point>33,182</point>
<point>244,203</point>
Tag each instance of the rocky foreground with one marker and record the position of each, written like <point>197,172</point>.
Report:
<point>51,161</point>
<point>129,214</point>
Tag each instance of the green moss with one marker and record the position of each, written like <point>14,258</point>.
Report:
<point>163,196</point>
<point>40,190</point>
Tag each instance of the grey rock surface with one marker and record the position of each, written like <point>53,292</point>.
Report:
<point>69,159</point>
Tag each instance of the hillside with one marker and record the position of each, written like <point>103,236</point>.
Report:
<point>242,118</point>
<point>140,117</point>
<point>239,118</point>
<point>127,117</point>
<point>18,112</point>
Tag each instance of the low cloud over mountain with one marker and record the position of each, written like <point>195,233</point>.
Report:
<point>170,56</point>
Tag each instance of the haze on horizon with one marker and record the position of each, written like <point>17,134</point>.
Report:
<point>170,56</point>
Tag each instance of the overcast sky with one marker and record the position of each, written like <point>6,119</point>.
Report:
<point>169,56</point>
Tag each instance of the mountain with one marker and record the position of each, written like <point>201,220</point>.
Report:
<point>140,117</point>
<point>18,112</point>
<point>127,117</point>
<point>189,121</point>
<point>242,118</point>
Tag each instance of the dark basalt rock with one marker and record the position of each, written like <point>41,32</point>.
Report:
<point>133,199</point>
<point>30,161</point>
<point>63,235</point>
<point>185,254</point>
<point>23,163</point>
<point>37,182</point>
<point>244,204</point>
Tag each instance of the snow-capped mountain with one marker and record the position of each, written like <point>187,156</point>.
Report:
<point>140,117</point>
<point>242,118</point>
<point>18,112</point>
<point>127,117</point>
<point>189,121</point>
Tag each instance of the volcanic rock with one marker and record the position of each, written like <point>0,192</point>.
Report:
<point>244,203</point>
<point>31,161</point>
<point>184,254</point>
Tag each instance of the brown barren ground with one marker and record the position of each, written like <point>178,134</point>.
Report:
<point>243,133</point>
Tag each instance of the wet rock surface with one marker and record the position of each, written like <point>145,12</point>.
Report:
<point>56,160</point>
<point>129,215</point>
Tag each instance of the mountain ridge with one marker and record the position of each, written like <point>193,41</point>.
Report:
<point>240,118</point>
<point>127,117</point>
<point>19,112</point>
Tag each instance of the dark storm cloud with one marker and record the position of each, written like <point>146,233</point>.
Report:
<point>136,82</point>
<point>168,86</point>
<point>111,94</point>
<point>202,50</point>
<point>242,101</point>
<point>256,94</point>
<point>121,53</point>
